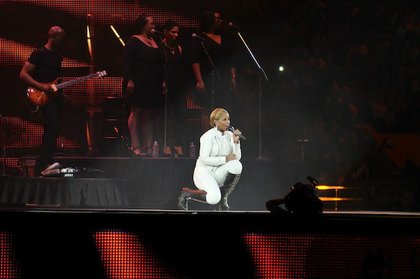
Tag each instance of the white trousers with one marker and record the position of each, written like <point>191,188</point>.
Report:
<point>211,181</point>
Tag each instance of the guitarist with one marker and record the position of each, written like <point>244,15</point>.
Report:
<point>43,67</point>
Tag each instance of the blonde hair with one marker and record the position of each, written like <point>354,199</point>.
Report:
<point>216,114</point>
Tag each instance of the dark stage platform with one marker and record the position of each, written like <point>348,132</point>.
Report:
<point>118,219</point>
<point>143,183</point>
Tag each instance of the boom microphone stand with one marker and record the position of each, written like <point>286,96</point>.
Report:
<point>166,90</point>
<point>161,37</point>
<point>261,75</point>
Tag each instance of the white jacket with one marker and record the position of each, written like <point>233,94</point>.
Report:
<point>214,147</point>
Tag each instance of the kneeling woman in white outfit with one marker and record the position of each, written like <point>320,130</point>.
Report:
<point>218,168</point>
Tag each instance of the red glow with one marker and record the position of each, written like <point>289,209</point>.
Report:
<point>125,255</point>
<point>114,12</point>
<point>330,256</point>
<point>8,266</point>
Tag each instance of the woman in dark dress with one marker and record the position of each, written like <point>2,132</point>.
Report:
<point>176,85</point>
<point>212,57</point>
<point>144,76</point>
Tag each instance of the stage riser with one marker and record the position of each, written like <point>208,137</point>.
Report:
<point>157,183</point>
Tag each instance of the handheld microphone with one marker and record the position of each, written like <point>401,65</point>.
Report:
<point>154,31</point>
<point>232,129</point>
<point>198,37</point>
<point>230,24</point>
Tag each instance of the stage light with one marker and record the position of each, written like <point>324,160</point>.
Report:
<point>117,35</point>
<point>89,38</point>
<point>281,68</point>
<point>330,187</point>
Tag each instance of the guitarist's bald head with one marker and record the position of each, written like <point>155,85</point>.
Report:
<point>54,31</point>
<point>56,36</point>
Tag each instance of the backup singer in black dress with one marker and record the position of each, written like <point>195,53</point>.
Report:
<point>144,76</point>
<point>215,82</point>
<point>176,85</point>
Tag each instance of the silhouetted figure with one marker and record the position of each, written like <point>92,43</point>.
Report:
<point>300,201</point>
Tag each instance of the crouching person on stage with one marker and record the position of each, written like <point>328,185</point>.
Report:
<point>218,167</point>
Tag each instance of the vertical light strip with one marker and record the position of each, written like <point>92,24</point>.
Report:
<point>117,35</point>
<point>89,41</point>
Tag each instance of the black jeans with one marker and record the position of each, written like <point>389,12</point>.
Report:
<point>52,113</point>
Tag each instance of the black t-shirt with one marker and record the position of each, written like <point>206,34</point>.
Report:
<point>48,64</point>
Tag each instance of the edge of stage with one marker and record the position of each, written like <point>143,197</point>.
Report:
<point>330,221</point>
<point>133,243</point>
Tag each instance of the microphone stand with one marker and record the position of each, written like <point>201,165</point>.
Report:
<point>260,92</point>
<point>166,75</point>
<point>212,74</point>
<point>165,125</point>
<point>3,144</point>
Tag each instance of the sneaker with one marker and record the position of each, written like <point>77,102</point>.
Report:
<point>51,169</point>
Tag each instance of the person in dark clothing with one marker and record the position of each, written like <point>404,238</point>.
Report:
<point>213,64</point>
<point>42,68</point>
<point>144,77</point>
<point>176,87</point>
<point>301,201</point>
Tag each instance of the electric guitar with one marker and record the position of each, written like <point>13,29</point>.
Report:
<point>41,98</point>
